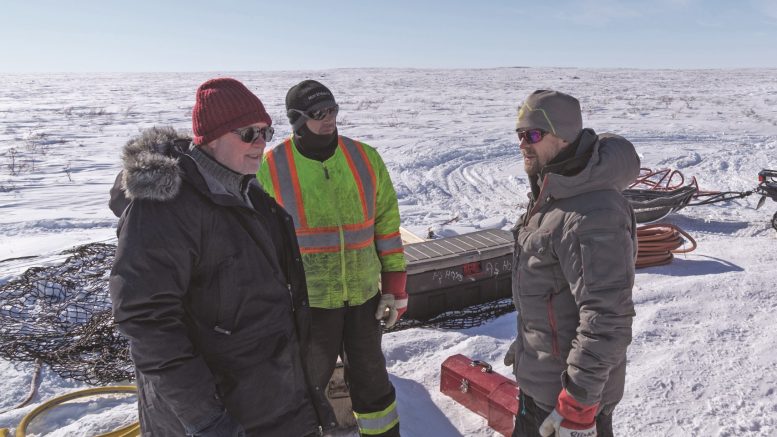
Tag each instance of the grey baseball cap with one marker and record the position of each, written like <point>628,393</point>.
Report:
<point>553,112</point>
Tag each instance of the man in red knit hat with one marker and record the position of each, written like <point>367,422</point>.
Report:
<point>207,282</point>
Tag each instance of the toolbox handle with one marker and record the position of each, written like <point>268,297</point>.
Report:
<point>486,368</point>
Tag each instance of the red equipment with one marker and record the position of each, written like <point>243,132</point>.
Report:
<point>473,384</point>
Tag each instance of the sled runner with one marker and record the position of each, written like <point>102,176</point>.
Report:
<point>339,397</point>
<point>473,383</point>
<point>653,205</point>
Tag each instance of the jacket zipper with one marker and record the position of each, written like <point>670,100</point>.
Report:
<point>286,271</point>
<point>537,203</point>
<point>219,311</point>
<point>553,328</point>
<point>342,243</point>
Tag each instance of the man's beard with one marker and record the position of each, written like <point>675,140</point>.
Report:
<point>532,167</point>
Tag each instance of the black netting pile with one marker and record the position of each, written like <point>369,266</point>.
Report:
<point>62,316</point>
<point>469,317</point>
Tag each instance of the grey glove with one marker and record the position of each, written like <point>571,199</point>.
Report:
<point>222,426</point>
<point>509,359</point>
<point>390,309</point>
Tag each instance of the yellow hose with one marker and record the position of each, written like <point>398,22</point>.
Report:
<point>131,430</point>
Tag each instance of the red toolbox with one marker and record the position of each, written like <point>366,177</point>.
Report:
<point>473,384</point>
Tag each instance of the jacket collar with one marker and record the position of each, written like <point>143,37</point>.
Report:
<point>608,161</point>
<point>219,179</point>
<point>157,161</point>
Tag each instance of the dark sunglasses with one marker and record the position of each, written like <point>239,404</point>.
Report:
<point>319,114</point>
<point>251,134</point>
<point>324,113</point>
<point>531,136</point>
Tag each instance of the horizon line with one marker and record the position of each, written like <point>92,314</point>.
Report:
<point>387,68</point>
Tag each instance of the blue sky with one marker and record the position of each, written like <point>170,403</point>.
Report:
<point>233,35</point>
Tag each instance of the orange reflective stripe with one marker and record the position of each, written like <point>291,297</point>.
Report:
<point>325,239</point>
<point>392,251</point>
<point>363,174</point>
<point>332,249</point>
<point>274,177</point>
<point>388,244</point>
<point>303,221</point>
<point>348,227</point>
<point>329,241</point>
<point>370,170</point>
<point>356,176</point>
<point>284,177</point>
<point>362,245</point>
<point>387,236</point>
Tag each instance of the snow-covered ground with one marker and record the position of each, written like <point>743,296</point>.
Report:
<point>703,361</point>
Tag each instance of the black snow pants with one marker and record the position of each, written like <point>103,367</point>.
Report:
<point>355,331</point>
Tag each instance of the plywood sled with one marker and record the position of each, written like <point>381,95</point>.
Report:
<point>453,273</point>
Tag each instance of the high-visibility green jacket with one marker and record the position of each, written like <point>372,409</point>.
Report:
<point>346,218</point>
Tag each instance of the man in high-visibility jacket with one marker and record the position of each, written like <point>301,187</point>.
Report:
<point>346,218</point>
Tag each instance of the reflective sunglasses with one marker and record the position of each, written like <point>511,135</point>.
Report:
<point>319,114</point>
<point>531,136</point>
<point>251,134</point>
<point>323,113</point>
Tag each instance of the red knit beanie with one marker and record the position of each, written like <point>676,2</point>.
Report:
<point>223,105</point>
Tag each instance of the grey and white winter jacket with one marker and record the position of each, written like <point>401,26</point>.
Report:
<point>573,275</point>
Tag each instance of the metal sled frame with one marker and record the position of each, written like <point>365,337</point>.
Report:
<point>653,205</point>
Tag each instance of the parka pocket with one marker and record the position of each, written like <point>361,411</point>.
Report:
<point>536,243</point>
<point>607,261</point>
<point>534,261</point>
<point>226,298</point>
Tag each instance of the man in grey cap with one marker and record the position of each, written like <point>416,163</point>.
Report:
<point>573,271</point>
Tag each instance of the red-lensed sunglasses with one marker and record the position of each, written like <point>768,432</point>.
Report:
<point>531,136</point>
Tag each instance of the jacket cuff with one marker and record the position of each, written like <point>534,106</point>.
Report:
<point>394,283</point>
<point>574,411</point>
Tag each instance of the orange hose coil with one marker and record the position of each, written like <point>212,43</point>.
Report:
<point>657,244</point>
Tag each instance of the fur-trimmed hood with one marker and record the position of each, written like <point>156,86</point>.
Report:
<point>151,169</point>
<point>150,161</point>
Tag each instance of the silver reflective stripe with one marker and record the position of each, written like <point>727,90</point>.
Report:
<point>364,173</point>
<point>286,189</point>
<point>319,240</point>
<point>378,423</point>
<point>360,236</point>
<point>388,244</point>
<point>329,240</point>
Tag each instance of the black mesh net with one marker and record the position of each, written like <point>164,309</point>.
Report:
<point>468,317</point>
<point>62,316</point>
